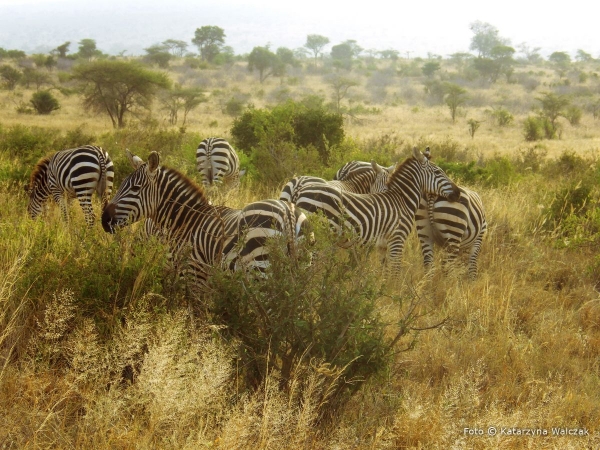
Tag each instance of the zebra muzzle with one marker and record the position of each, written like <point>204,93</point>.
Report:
<point>107,218</point>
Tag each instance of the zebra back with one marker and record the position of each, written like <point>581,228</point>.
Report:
<point>218,163</point>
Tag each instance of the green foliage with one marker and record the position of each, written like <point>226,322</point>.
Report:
<point>117,87</point>
<point>309,307</point>
<point>473,127</point>
<point>209,39</point>
<point>44,102</point>
<point>573,114</point>
<point>455,96</point>
<point>502,116</point>
<point>533,128</point>
<point>264,61</point>
<point>10,76</point>
<point>291,137</point>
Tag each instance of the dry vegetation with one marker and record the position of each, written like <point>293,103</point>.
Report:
<point>101,348</point>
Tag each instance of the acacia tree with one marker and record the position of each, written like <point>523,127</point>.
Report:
<point>454,97</point>
<point>315,43</point>
<point>181,98</point>
<point>486,38</point>
<point>263,60</point>
<point>62,49</point>
<point>175,47</point>
<point>118,87</point>
<point>209,39</point>
<point>88,49</point>
<point>340,85</point>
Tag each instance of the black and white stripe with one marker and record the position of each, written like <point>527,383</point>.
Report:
<point>218,163</point>
<point>69,174</point>
<point>384,218</point>
<point>355,176</point>
<point>455,226</point>
<point>178,211</point>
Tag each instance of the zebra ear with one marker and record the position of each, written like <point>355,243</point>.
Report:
<point>418,155</point>
<point>427,152</point>
<point>391,168</point>
<point>135,161</point>
<point>153,161</point>
<point>376,167</point>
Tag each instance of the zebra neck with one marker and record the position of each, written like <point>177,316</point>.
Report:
<point>406,188</point>
<point>178,201</point>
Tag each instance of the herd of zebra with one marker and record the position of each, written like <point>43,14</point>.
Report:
<point>378,205</point>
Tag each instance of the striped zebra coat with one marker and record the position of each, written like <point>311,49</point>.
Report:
<point>218,163</point>
<point>69,174</point>
<point>384,218</point>
<point>455,226</point>
<point>355,176</point>
<point>180,212</point>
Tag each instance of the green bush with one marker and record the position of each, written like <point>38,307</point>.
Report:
<point>533,129</point>
<point>573,114</point>
<point>502,117</point>
<point>304,309</point>
<point>44,102</point>
<point>301,123</point>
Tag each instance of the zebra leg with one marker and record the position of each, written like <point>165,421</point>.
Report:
<point>86,204</point>
<point>452,248</point>
<point>395,249</point>
<point>473,257</point>
<point>425,234</point>
<point>62,200</point>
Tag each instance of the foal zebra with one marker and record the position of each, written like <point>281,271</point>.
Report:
<point>384,218</point>
<point>68,174</point>
<point>455,226</point>
<point>179,211</point>
<point>218,163</point>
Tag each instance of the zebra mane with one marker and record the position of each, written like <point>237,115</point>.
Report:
<point>40,168</point>
<point>399,168</point>
<point>188,183</point>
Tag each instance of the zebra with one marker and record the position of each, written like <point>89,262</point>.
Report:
<point>180,212</point>
<point>455,226</point>
<point>355,176</point>
<point>68,174</point>
<point>218,163</point>
<point>384,218</point>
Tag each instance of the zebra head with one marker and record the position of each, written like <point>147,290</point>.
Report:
<point>425,175</point>
<point>136,197</point>
<point>38,189</point>
<point>382,177</point>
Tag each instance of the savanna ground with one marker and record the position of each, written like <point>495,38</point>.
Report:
<point>102,347</point>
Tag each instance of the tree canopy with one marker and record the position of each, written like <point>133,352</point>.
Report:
<point>209,39</point>
<point>118,87</point>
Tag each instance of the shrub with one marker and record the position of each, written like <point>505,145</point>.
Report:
<point>573,114</point>
<point>303,310</point>
<point>44,102</point>
<point>502,117</point>
<point>294,137</point>
<point>533,129</point>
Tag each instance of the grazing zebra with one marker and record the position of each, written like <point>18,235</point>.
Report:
<point>218,163</point>
<point>179,211</point>
<point>384,218</point>
<point>358,177</point>
<point>455,226</point>
<point>68,174</point>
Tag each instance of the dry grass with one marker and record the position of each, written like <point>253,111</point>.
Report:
<point>520,346</point>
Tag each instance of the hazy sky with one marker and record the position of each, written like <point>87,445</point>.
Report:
<point>418,27</point>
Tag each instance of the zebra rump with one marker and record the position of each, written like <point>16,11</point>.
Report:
<point>218,163</point>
